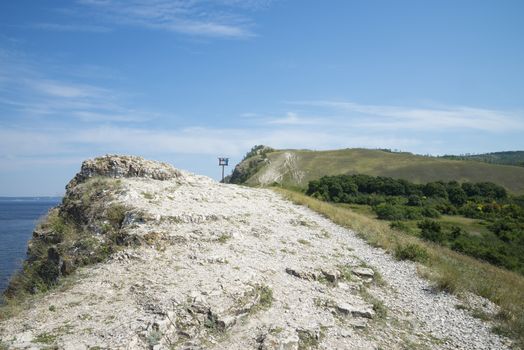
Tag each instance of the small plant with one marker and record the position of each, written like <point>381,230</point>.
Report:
<point>45,338</point>
<point>147,195</point>
<point>304,242</point>
<point>411,251</point>
<point>224,238</point>
<point>378,306</point>
<point>154,337</point>
<point>266,298</point>
<point>52,308</point>
<point>116,214</point>
<point>345,272</point>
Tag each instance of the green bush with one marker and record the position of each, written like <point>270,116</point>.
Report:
<point>400,226</point>
<point>411,251</point>
<point>386,211</point>
<point>430,212</point>
<point>431,230</point>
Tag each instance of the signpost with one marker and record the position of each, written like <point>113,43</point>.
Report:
<point>223,162</point>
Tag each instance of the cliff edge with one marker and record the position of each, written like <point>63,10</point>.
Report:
<point>141,255</point>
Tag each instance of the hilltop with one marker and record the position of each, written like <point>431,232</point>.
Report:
<point>296,168</point>
<point>141,255</point>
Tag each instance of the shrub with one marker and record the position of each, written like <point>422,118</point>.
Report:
<point>116,214</point>
<point>414,200</point>
<point>400,226</point>
<point>411,251</point>
<point>431,231</point>
<point>386,211</point>
<point>430,212</point>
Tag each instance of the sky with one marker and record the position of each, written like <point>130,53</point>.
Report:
<point>188,81</point>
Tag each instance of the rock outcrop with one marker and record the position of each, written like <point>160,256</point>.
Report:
<point>114,166</point>
<point>143,256</point>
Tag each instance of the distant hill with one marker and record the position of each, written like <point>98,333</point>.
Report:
<point>265,166</point>
<point>506,158</point>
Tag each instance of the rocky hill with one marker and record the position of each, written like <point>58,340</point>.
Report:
<point>143,256</point>
<point>296,168</point>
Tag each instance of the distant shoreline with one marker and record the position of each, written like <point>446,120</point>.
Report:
<point>37,198</point>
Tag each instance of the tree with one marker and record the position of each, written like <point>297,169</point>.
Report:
<point>457,196</point>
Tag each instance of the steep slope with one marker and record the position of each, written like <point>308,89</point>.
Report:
<point>201,265</point>
<point>298,167</point>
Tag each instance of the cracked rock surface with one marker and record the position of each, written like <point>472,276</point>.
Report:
<point>222,266</point>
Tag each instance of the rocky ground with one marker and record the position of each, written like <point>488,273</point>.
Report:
<point>228,267</point>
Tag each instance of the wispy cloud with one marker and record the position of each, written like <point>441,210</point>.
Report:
<point>72,27</point>
<point>54,143</point>
<point>28,94</point>
<point>386,117</point>
<point>218,18</point>
<point>292,118</point>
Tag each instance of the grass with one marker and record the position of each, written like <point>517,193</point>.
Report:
<point>223,238</point>
<point>266,298</point>
<point>415,168</point>
<point>45,338</point>
<point>451,271</point>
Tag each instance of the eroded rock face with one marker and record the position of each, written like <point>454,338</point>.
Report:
<point>117,166</point>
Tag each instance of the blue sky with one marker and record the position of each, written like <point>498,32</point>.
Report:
<point>187,81</point>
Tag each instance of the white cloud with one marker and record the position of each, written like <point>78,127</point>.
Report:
<point>72,27</point>
<point>27,94</point>
<point>386,117</point>
<point>293,118</point>
<point>197,17</point>
<point>66,90</point>
<point>57,143</point>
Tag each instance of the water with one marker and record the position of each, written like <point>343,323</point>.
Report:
<point>18,217</point>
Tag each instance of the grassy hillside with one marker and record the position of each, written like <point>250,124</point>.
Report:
<point>298,167</point>
<point>507,158</point>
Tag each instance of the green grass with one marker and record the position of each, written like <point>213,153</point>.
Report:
<point>45,338</point>
<point>415,168</point>
<point>472,226</point>
<point>449,270</point>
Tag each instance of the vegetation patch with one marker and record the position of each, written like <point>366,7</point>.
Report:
<point>411,251</point>
<point>224,237</point>
<point>45,338</point>
<point>265,298</point>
